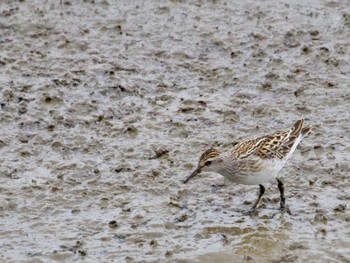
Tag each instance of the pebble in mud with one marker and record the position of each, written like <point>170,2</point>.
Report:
<point>290,40</point>
<point>131,130</point>
<point>306,50</point>
<point>231,116</point>
<point>188,106</point>
<point>181,218</point>
<point>159,151</point>
<point>153,243</point>
<point>340,208</point>
<point>113,224</point>
<point>75,210</point>
<point>320,218</point>
<point>297,246</point>
<point>129,259</point>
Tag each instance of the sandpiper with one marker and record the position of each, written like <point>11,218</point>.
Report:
<point>255,161</point>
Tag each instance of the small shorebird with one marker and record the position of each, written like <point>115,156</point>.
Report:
<point>255,161</point>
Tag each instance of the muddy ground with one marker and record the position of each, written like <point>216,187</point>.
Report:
<point>106,107</point>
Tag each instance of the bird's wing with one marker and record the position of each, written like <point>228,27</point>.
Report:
<point>276,145</point>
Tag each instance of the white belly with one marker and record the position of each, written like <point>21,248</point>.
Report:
<point>257,177</point>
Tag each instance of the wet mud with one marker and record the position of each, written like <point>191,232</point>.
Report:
<point>106,107</point>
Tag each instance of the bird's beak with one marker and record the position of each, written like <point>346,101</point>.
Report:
<point>193,174</point>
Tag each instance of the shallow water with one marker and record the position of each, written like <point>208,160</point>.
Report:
<point>107,105</point>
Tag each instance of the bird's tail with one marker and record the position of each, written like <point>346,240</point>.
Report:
<point>305,131</point>
<point>299,128</point>
<point>296,134</point>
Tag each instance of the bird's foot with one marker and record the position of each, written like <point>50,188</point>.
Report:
<point>285,209</point>
<point>251,212</point>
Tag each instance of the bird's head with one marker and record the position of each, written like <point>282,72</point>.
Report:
<point>210,161</point>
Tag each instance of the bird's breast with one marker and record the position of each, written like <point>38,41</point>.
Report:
<point>253,173</point>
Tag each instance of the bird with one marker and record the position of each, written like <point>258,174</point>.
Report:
<point>255,161</point>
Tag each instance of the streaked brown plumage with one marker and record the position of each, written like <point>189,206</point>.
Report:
<point>254,161</point>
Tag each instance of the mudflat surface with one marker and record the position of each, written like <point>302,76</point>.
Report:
<point>106,107</point>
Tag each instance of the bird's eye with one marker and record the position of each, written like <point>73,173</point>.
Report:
<point>207,163</point>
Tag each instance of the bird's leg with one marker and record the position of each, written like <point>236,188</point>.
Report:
<point>283,206</point>
<point>281,188</point>
<point>262,191</point>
